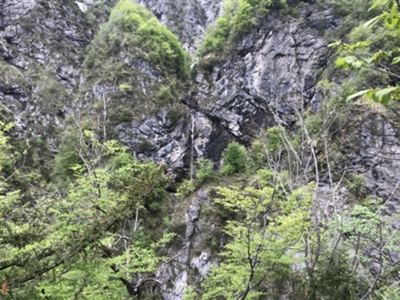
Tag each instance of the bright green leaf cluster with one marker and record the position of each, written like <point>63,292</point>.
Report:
<point>263,240</point>
<point>81,244</point>
<point>132,26</point>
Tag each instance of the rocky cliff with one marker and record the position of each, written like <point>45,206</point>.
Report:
<point>270,78</point>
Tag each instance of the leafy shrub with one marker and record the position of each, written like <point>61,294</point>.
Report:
<point>163,47</point>
<point>132,25</point>
<point>234,158</point>
<point>185,188</point>
<point>356,185</point>
<point>168,94</point>
<point>154,206</point>
<point>205,170</point>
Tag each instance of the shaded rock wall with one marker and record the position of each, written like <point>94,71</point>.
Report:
<point>373,150</point>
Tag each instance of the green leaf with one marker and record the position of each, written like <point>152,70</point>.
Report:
<point>341,61</point>
<point>383,96</point>
<point>372,22</point>
<point>376,56</point>
<point>335,44</point>
<point>363,44</point>
<point>376,3</point>
<point>370,94</point>
<point>393,11</point>
<point>350,59</point>
<point>357,64</point>
<point>356,95</point>
<point>396,60</point>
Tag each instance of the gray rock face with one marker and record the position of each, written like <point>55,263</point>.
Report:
<point>270,79</point>
<point>374,152</point>
<point>158,137</point>
<point>12,10</point>
<point>41,47</point>
<point>191,260</point>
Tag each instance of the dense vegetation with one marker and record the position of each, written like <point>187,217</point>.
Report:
<point>83,239</point>
<point>140,61</point>
<point>132,26</point>
<point>375,53</point>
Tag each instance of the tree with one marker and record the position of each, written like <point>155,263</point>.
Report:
<point>264,240</point>
<point>88,243</point>
<point>374,244</point>
<point>205,170</point>
<point>234,158</point>
<point>383,62</point>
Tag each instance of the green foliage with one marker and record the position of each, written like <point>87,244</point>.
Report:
<point>363,230</point>
<point>354,12</point>
<point>334,279</point>
<point>185,188</point>
<point>163,47</point>
<point>6,157</point>
<point>167,95</point>
<point>275,136</point>
<point>357,183</point>
<point>234,159</point>
<point>67,157</point>
<point>384,60</point>
<point>83,243</point>
<point>205,170</point>
<point>134,52</point>
<point>238,17</point>
<point>258,254</point>
<point>270,144</point>
<point>154,206</point>
<point>131,25</point>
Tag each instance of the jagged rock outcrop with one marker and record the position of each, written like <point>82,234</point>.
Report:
<point>270,78</point>
<point>159,137</point>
